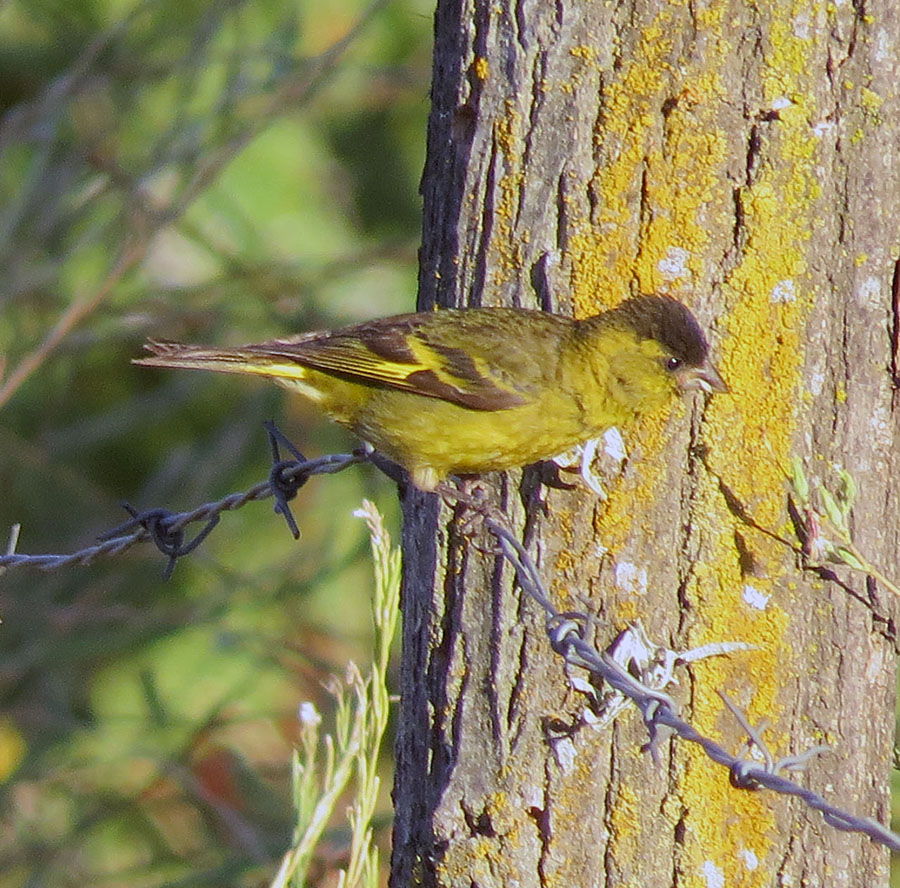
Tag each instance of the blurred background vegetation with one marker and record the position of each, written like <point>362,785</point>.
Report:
<point>207,171</point>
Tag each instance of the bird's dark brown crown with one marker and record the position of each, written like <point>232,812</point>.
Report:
<point>668,322</point>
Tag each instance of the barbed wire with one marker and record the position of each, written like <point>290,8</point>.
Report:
<point>566,631</point>
<point>166,529</point>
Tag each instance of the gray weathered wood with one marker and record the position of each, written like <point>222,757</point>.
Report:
<point>747,160</point>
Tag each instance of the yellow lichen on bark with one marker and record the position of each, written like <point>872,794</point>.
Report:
<point>626,845</point>
<point>508,137</point>
<point>680,165</point>
<point>750,436</point>
<point>614,523</point>
<point>493,859</point>
<point>660,133</point>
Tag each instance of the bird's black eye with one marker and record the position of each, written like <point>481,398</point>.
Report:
<point>672,364</point>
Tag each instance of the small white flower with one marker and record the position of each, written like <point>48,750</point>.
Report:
<point>308,715</point>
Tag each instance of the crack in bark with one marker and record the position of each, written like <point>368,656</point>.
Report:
<point>480,824</point>
<point>859,7</point>
<point>443,747</point>
<point>562,215</point>
<point>541,818</point>
<point>754,148</point>
<point>895,326</point>
<point>496,668</point>
<point>522,29</point>
<point>486,219</point>
<point>609,800</point>
<point>679,832</point>
<point>516,690</point>
<point>888,631</point>
<point>645,209</point>
<point>844,363</point>
<point>544,290</point>
<point>535,106</point>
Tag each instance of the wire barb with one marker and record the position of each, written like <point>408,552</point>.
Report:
<point>160,527</point>
<point>287,475</point>
<point>143,525</point>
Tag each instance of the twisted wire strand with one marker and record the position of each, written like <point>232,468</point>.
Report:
<point>565,631</point>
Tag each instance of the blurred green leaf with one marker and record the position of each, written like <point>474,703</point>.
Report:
<point>154,721</point>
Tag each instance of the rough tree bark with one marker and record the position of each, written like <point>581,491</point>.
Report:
<point>746,158</point>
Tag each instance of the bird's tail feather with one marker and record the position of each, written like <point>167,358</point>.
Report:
<point>222,360</point>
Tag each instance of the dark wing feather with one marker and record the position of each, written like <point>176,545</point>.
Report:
<point>474,362</point>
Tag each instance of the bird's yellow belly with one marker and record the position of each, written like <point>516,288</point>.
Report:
<point>432,438</point>
<point>446,438</point>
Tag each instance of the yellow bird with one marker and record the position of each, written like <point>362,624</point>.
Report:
<point>465,391</point>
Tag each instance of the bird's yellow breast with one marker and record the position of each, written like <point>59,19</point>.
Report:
<point>590,387</point>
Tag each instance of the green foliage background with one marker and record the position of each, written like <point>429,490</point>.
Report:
<point>205,171</point>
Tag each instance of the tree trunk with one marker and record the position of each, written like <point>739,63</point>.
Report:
<point>744,158</point>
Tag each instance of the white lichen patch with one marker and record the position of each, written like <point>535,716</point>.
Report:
<point>800,26</point>
<point>868,293</point>
<point>564,752</point>
<point>714,876</point>
<point>751,861</point>
<point>817,382</point>
<point>754,597</point>
<point>675,264</point>
<point>614,445</point>
<point>631,578</point>
<point>784,291</point>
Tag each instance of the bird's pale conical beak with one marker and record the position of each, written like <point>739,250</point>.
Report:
<point>705,377</point>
